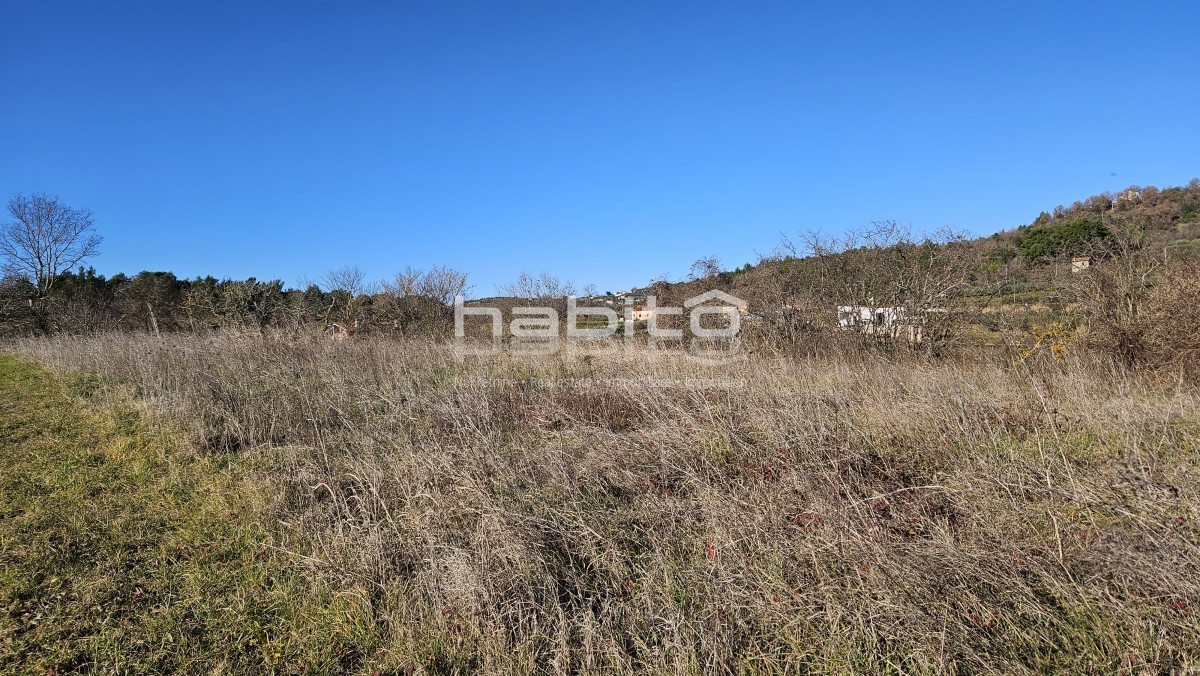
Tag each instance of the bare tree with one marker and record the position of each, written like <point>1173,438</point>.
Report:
<point>348,278</point>
<point>348,290</point>
<point>881,264</point>
<point>406,283</point>
<point>45,238</point>
<point>417,299</point>
<point>703,268</point>
<point>441,283</point>
<point>543,286</point>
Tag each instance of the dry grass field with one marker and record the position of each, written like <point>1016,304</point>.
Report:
<point>645,512</point>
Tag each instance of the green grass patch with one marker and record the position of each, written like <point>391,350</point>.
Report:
<point>122,552</point>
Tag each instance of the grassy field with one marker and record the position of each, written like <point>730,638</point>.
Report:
<point>123,552</point>
<point>272,502</point>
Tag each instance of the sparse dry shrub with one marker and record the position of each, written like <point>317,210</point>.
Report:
<point>1170,338</point>
<point>852,512</point>
<point>1142,314</point>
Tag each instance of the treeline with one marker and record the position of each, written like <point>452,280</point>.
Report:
<point>82,301</point>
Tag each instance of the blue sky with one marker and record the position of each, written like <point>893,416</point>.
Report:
<point>603,142</point>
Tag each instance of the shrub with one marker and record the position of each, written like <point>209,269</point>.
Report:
<point>1143,316</point>
<point>1051,241</point>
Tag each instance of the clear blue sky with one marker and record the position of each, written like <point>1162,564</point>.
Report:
<point>605,142</point>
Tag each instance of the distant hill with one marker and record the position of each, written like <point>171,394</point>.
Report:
<point>885,263</point>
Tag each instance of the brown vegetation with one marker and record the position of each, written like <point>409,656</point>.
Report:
<point>845,513</point>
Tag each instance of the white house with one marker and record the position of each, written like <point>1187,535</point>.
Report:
<point>858,316</point>
<point>892,321</point>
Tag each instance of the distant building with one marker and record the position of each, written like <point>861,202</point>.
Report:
<point>858,316</point>
<point>339,331</point>
<point>885,321</point>
<point>641,314</point>
<point>1128,196</point>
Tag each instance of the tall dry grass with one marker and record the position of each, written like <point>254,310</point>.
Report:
<point>854,513</point>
